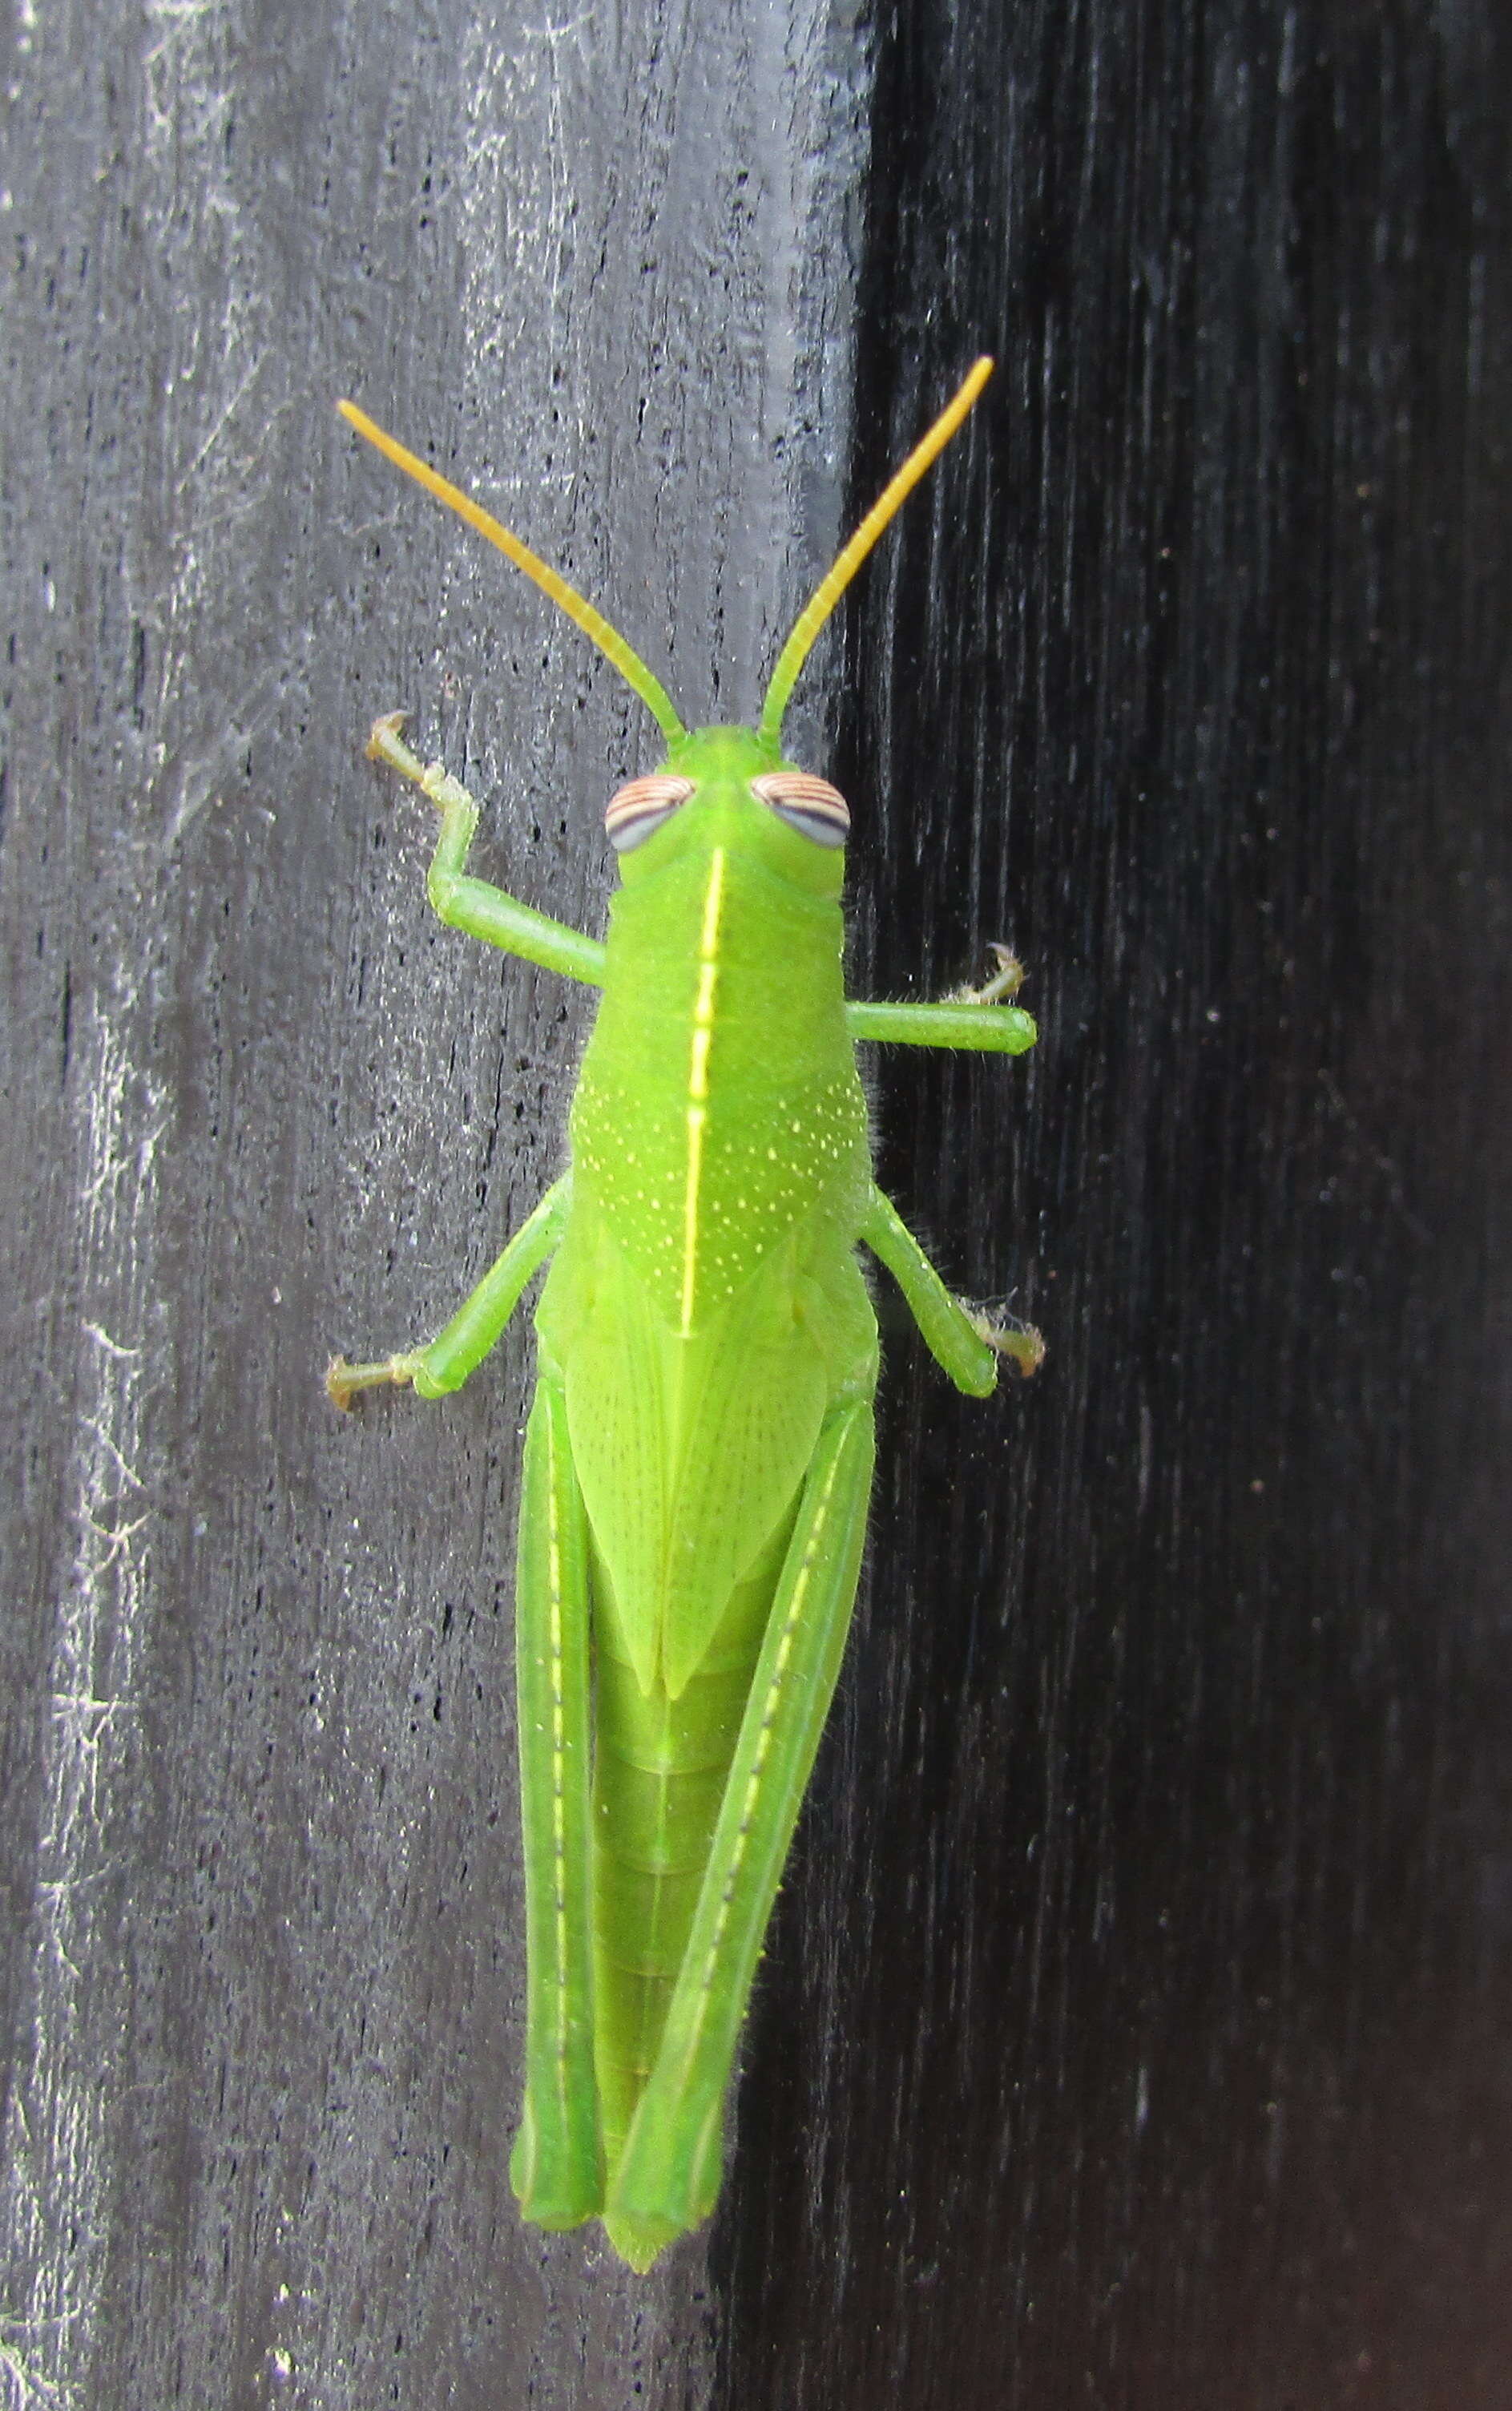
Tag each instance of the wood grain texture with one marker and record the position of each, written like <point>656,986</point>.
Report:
<point>264,1965</point>
<point>1155,1916</point>
<point>1130,2031</point>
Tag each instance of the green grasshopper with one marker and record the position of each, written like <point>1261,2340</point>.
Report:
<point>699,1454</point>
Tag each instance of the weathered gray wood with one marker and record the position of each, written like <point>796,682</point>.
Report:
<point>1133,2028</point>
<point>265,1977</point>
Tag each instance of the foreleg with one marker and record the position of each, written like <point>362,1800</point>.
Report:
<point>977,1020</point>
<point>471,904</point>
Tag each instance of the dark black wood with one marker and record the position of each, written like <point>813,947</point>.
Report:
<point>1155,1906</point>
<point>1132,2026</point>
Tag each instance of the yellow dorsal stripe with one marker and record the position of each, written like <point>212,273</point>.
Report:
<point>830,588</point>
<point>698,1063</point>
<point>598,630</point>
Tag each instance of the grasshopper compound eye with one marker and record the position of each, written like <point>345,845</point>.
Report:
<point>637,810</point>
<point>812,806</point>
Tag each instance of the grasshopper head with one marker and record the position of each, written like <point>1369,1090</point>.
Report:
<point>736,774</point>
<point>731,787</point>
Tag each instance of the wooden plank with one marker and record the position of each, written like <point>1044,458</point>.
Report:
<point>1133,2024</point>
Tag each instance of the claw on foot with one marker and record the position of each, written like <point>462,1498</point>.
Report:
<point>387,731</point>
<point>1006,981</point>
<point>386,744</point>
<point>1018,1341</point>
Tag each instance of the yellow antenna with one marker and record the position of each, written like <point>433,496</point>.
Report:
<point>593,624</point>
<point>830,588</point>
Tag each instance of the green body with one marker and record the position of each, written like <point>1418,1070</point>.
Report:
<point>699,1455</point>
<point>704,1315</point>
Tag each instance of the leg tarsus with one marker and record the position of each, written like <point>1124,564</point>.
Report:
<point>1020,1342</point>
<point>343,1381</point>
<point>387,745</point>
<point>1005,982</point>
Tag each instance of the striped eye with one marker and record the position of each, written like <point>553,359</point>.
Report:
<point>810,805</point>
<point>636,812</point>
